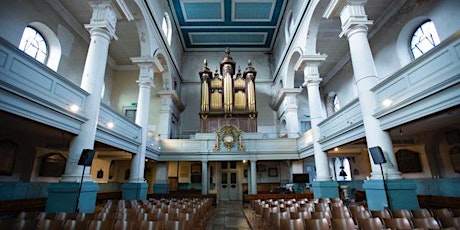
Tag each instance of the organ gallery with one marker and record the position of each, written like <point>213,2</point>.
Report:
<point>228,98</point>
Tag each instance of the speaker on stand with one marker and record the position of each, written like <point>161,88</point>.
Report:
<point>379,158</point>
<point>86,159</point>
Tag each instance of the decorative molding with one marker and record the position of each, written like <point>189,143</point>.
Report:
<point>228,135</point>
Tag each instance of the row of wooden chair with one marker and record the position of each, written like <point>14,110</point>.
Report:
<point>152,214</point>
<point>70,224</point>
<point>277,215</point>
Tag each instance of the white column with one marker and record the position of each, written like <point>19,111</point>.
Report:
<point>253,179</point>
<point>204,177</point>
<point>354,26</point>
<point>291,116</point>
<point>142,114</point>
<point>102,30</point>
<point>310,65</point>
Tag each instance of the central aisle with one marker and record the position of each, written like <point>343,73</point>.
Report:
<point>229,216</point>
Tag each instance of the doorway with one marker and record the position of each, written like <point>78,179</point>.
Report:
<point>229,184</point>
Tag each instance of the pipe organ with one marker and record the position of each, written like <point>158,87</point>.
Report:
<point>228,98</point>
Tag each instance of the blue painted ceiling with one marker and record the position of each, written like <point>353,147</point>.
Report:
<point>207,25</point>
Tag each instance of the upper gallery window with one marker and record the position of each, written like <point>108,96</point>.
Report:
<point>289,25</point>
<point>166,27</point>
<point>33,44</point>
<point>424,38</point>
<point>336,103</point>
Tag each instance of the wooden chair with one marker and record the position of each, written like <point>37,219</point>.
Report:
<point>127,216</point>
<point>292,224</point>
<point>75,225</point>
<point>374,223</point>
<point>442,213</point>
<point>321,207</point>
<point>27,215</point>
<point>401,213</point>
<point>319,215</point>
<point>152,225</point>
<point>275,218</point>
<point>343,224</point>
<point>300,215</point>
<point>84,216</point>
<point>100,225</point>
<point>25,224</point>
<point>360,215</point>
<point>356,208</point>
<point>317,224</point>
<point>420,213</point>
<point>340,214</point>
<point>126,225</point>
<point>46,215</point>
<point>50,224</point>
<point>450,222</point>
<point>177,225</point>
<point>426,223</point>
<point>397,223</point>
<point>382,214</point>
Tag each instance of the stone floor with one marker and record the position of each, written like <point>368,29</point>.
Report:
<point>229,215</point>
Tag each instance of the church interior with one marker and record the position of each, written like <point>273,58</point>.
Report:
<point>250,102</point>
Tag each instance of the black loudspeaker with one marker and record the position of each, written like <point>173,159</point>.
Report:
<point>86,157</point>
<point>377,155</point>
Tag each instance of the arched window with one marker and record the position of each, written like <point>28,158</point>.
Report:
<point>332,103</point>
<point>33,43</point>
<point>424,38</point>
<point>336,103</point>
<point>40,42</point>
<point>289,25</point>
<point>166,27</point>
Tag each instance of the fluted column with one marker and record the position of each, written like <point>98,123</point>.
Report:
<point>354,26</point>
<point>102,30</point>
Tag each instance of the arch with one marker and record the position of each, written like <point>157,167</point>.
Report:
<point>165,73</point>
<point>290,73</point>
<point>404,38</point>
<point>54,46</point>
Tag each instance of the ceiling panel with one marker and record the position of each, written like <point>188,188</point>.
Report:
<point>213,25</point>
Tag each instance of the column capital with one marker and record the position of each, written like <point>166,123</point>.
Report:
<point>309,60</point>
<point>351,13</point>
<point>312,82</point>
<point>104,17</point>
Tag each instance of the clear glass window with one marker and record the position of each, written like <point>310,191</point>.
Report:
<point>33,44</point>
<point>167,28</point>
<point>336,104</point>
<point>424,39</point>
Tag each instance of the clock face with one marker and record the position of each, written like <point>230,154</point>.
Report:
<point>228,138</point>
